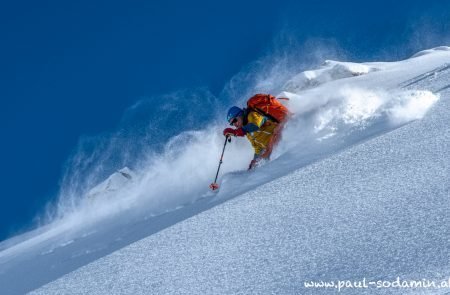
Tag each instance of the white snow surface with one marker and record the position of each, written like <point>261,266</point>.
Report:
<point>357,189</point>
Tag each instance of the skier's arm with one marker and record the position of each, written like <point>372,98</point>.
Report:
<point>250,127</point>
<point>234,132</point>
<point>255,121</point>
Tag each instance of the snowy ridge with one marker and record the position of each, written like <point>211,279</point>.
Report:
<point>428,51</point>
<point>113,184</point>
<point>330,70</point>
<point>322,162</point>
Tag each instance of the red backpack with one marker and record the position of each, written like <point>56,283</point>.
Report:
<point>268,106</point>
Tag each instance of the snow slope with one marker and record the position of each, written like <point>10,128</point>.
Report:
<point>357,189</point>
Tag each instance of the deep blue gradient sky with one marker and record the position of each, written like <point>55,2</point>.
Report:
<point>69,68</point>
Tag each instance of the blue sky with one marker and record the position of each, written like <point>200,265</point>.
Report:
<point>71,68</point>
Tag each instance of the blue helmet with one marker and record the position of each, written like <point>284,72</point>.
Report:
<point>234,112</point>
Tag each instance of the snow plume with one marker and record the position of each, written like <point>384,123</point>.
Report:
<point>346,115</point>
<point>410,105</point>
<point>141,138</point>
<point>178,175</point>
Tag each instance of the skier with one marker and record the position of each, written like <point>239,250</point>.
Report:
<point>262,122</point>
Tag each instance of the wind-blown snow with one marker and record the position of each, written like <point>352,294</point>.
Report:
<point>343,175</point>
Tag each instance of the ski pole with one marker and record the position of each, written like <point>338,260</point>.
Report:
<point>214,185</point>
